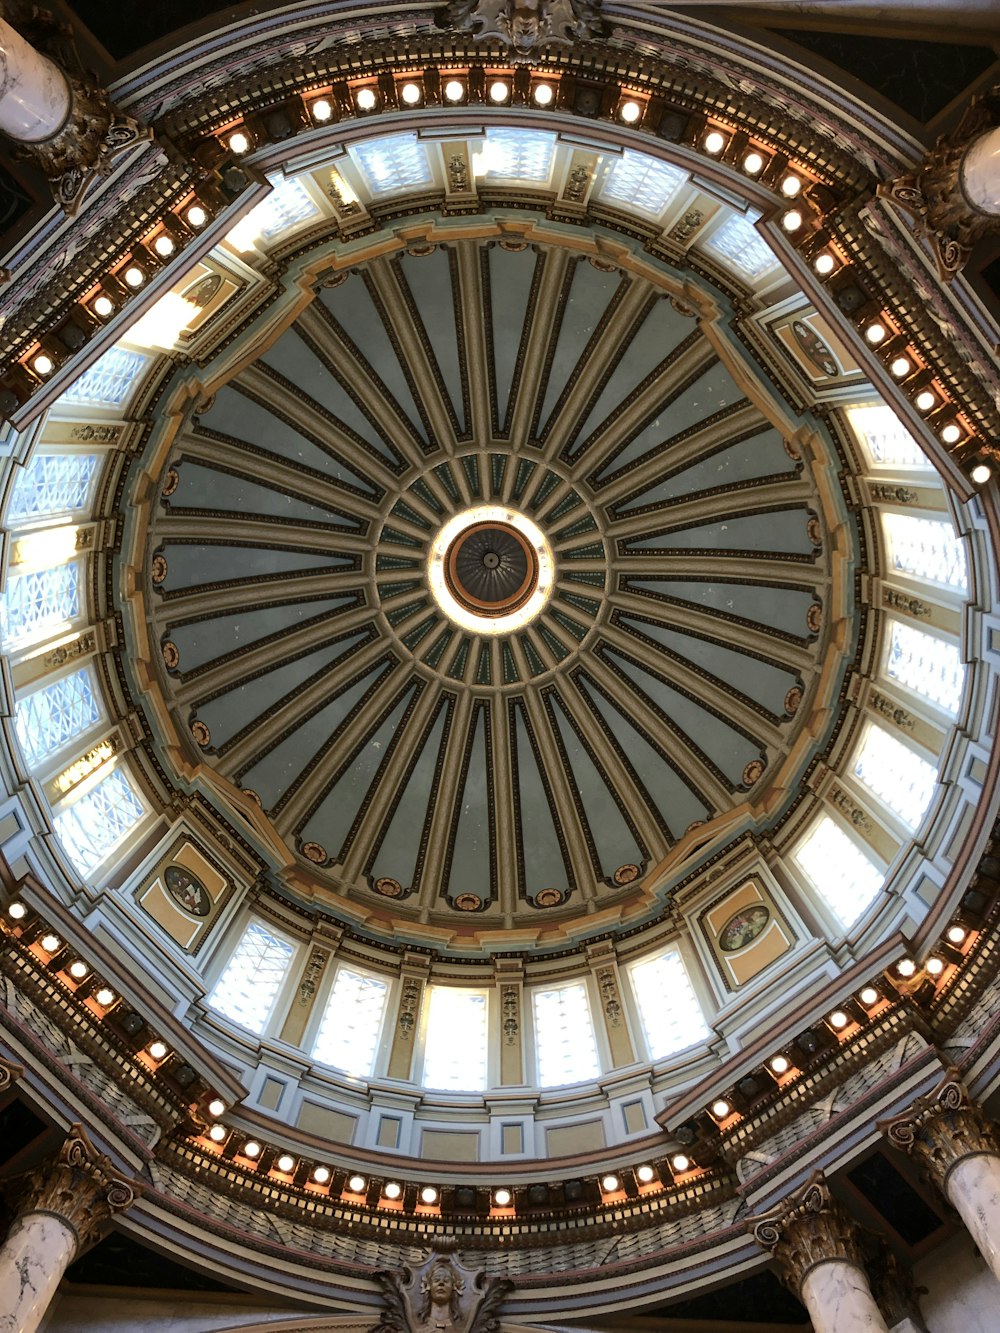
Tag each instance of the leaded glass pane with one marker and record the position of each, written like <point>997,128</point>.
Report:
<point>455,1044</point>
<point>898,777</point>
<point>926,548</point>
<point>51,484</point>
<point>398,162</point>
<point>565,1046</point>
<point>926,664</point>
<point>518,154</point>
<point>642,181</point>
<point>109,379</point>
<point>846,879</point>
<point>36,604</point>
<point>249,985</point>
<point>92,825</point>
<point>885,439</point>
<point>288,205</point>
<point>672,1019</point>
<point>349,1032</point>
<point>740,244</point>
<point>49,718</point>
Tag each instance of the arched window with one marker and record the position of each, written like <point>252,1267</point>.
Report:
<point>247,990</point>
<point>672,1019</point>
<point>455,1047</point>
<point>352,1021</point>
<point>846,879</point>
<point>565,1045</point>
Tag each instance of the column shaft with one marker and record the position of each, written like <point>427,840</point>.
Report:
<point>37,1252</point>
<point>980,173</point>
<point>839,1300</point>
<point>35,97</point>
<point>973,1187</point>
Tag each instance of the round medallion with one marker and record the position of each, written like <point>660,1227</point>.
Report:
<point>170,482</point>
<point>753,772</point>
<point>187,890</point>
<point>201,734</point>
<point>814,618</point>
<point>627,874</point>
<point>171,654</point>
<point>158,570</point>
<point>792,700</point>
<point>743,927</point>
<point>468,902</point>
<point>388,888</point>
<point>254,796</point>
<point>312,851</point>
<point>548,898</point>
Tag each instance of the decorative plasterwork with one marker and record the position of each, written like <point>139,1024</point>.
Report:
<point>442,1293</point>
<point>943,1128</point>
<point>808,1228</point>
<point>525,27</point>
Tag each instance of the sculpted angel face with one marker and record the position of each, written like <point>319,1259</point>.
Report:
<point>442,1284</point>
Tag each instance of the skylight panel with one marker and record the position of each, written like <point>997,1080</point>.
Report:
<point>898,776</point>
<point>926,548</point>
<point>398,162</point>
<point>248,988</point>
<point>39,602</point>
<point>349,1033</point>
<point>846,879</point>
<point>51,484</point>
<point>885,439</point>
<point>516,154</point>
<point>739,244</point>
<point>642,182</point>
<point>929,666</point>
<point>47,719</point>
<point>565,1045</point>
<point>98,820</point>
<point>672,1018</point>
<point>108,381</point>
<point>455,1041</point>
<point>288,205</point>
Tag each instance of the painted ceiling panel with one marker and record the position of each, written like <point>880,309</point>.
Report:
<point>434,291</point>
<point>591,293</point>
<point>542,864</point>
<point>471,866</point>
<point>511,274</point>
<point>207,488</point>
<point>780,608</point>
<point>215,638</point>
<point>762,455</point>
<point>188,563</point>
<point>784,531</point>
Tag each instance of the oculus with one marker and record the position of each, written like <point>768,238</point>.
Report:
<point>491,569</point>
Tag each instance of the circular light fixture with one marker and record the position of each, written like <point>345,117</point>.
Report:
<point>824,263</point>
<point>50,943</point>
<point>542,94</point>
<point>490,569</point>
<point>499,91</point>
<point>609,1184</point>
<point>196,216</point>
<point>721,1109</point>
<point>934,966</point>
<point>952,433</point>
<point>78,970</point>
<point>134,276</point>
<point>981,473</point>
<point>321,110</point>
<point>286,1163</point>
<point>956,934</point>
<point>645,1175</point>
<point>454,91</point>
<point>428,1194</point>
<point>502,1198</point>
<point>216,1107</point>
<point>393,1190</point>
<point>321,1175</point>
<point>779,1064</point>
<point>906,967</point>
<point>104,307</point>
<point>630,112</point>
<point>753,164</point>
<point>411,93</point>
<point>791,220</point>
<point>251,1148</point>
<point>17,911</point>
<point>900,367</point>
<point>366,100</point>
<point>924,400</point>
<point>239,143</point>
<point>791,185</point>
<point>714,142</point>
<point>838,1019</point>
<point>869,997</point>
<point>158,1050</point>
<point>105,997</point>
<point>876,333</point>
<point>680,1163</point>
<point>357,1184</point>
<point>164,245</point>
<point>217,1133</point>
<point>43,364</point>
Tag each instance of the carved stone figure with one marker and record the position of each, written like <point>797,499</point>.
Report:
<point>524,25</point>
<point>441,1296</point>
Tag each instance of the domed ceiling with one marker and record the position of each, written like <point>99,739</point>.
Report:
<point>412,730</point>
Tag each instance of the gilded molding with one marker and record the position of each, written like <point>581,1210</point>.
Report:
<point>80,1186</point>
<point>807,1229</point>
<point>941,1129</point>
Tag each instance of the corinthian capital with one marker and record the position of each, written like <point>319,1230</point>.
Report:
<point>80,1186</point>
<point>9,1074</point>
<point>941,1128</point>
<point>806,1229</point>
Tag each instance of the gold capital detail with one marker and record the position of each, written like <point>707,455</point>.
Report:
<point>80,1186</point>
<point>807,1229</point>
<point>941,1129</point>
<point>9,1074</point>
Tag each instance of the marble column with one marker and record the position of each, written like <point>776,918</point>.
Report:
<point>35,95</point>
<point>821,1260</point>
<point>980,173</point>
<point>958,1148</point>
<point>63,1206</point>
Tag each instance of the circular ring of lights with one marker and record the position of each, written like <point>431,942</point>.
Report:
<point>475,615</point>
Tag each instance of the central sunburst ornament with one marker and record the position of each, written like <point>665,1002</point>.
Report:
<point>491,569</point>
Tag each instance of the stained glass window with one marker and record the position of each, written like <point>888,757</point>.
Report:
<point>50,717</point>
<point>846,879</point>
<point>565,1046</point>
<point>51,484</point>
<point>109,379</point>
<point>926,664</point>
<point>398,162</point>
<point>37,603</point>
<point>642,182</point>
<point>288,205</point>
<point>884,437</point>
<point>927,548</point>
<point>898,776</point>
<point>671,1016</point>
<point>249,985</point>
<point>349,1032</point>
<point>518,154</point>
<point>455,1042</point>
<point>98,820</point>
<point>738,243</point>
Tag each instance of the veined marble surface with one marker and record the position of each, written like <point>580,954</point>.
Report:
<point>839,1300</point>
<point>974,1189</point>
<point>32,1262</point>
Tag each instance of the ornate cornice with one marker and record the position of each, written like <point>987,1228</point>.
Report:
<point>943,1128</point>
<point>808,1228</point>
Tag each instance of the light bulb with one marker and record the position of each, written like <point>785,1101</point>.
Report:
<point>875,333</point>
<point>714,142</point>
<point>790,186</point>
<point>392,1190</point>
<point>217,1133</point>
<point>78,970</point>
<point>251,1148</point>
<point>239,142</point>
<point>501,1198</point>
<point>158,1050</point>
<point>43,364</point>
<point>925,400</point>
<point>609,1184</point>
<point>630,112</point>
<point>104,306</point>
<point>164,245</point>
<point>792,220</point>
<point>50,943</point>
<point>543,94</point>
<point>824,263</point>
<point>428,1194</point>
<point>105,997</point>
<point>17,911</point>
<point>366,99</point>
<point>900,367</point>
<point>721,1109</point>
<point>934,967</point>
<point>981,473</point>
<point>906,967</point>
<point>321,1175</point>
<point>645,1175</point>
<point>321,109</point>
<point>134,276</point>
<point>454,91</point>
<point>216,1107</point>
<point>499,91</point>
<point>680,1163</point>
<point>952,433</point>
<point>286,1163</point>
<point>869,996</point>
<point>956,934</point>
<point>196,216</point>
<point>753,164</point>
<point>357,1184</point>
<point>411,93</point>
<point>779,1064</point>
<point>838,1019</point>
